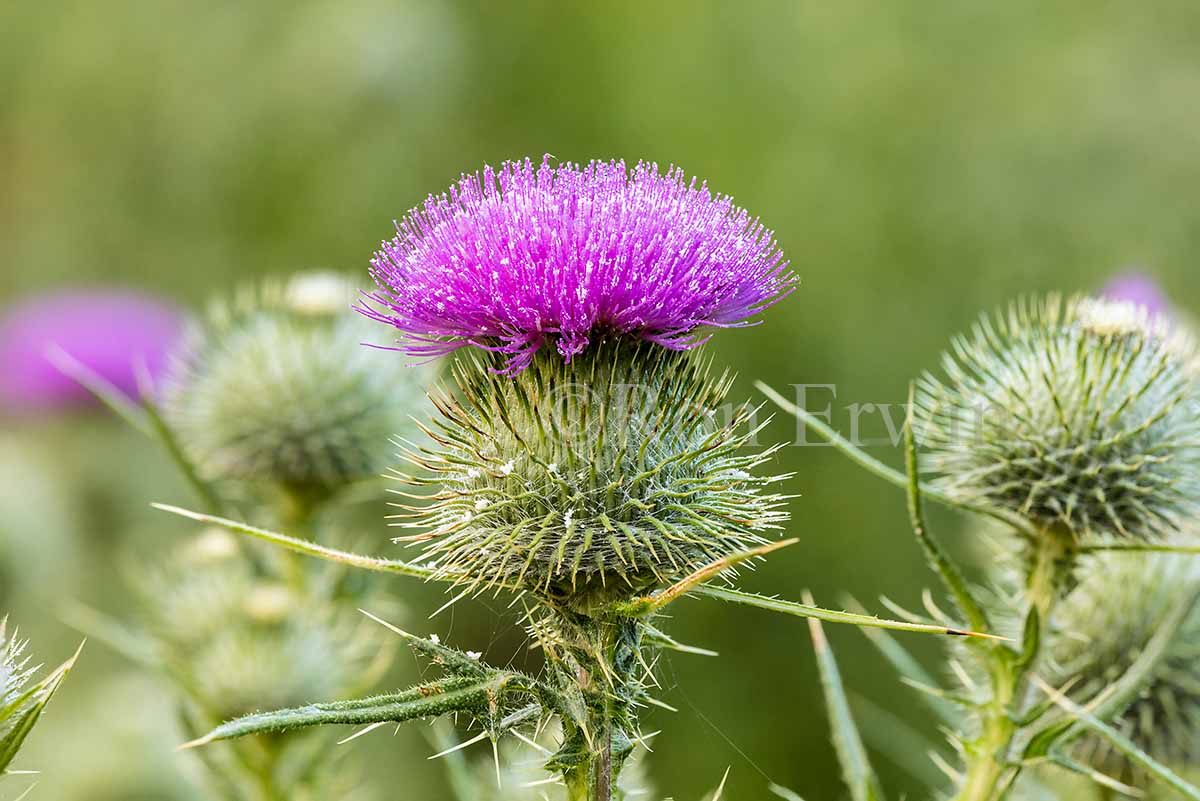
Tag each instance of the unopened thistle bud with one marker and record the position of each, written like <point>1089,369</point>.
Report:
<point>276,387</point>
<point>1080,417</point>
<point>1105,625</point>
<point>584,457</point>
<point>244,643</point>
<point>593,480</point>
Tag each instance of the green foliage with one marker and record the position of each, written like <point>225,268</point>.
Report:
<point>238,641</point>
<point>479,696</point>
<point>1071,422</point>
<point>22,700</point>
<point>1103,627</point>
<point>852,756</point>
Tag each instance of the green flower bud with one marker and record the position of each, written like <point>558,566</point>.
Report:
<point>1080,417</point>
<point>251,666</point>
<point>590,480</point>
<point>276,387</point>
<point>1104,625</point>
<point>241,643</point>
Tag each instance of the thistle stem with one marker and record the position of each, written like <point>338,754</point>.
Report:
<point>988,769</point>
<point>605,663</point>
<point>602,771</point>
<point>295,510</point>
<point>591,779</point>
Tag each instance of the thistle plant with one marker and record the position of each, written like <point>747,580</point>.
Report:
<point>1075,426</point>
<point>230,638</point>
<point>1076,417</point>
<point>22,699</point>
<point>272,390</point>
<point>1109,622</point>
<point>583,456</point>
<point>517,773</point>
<point>270,406</point>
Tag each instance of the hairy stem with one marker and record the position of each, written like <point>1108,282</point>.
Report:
<point>988,770</point>
<point>601,661</point>
<point>592,778</point>
<point>602,772</point>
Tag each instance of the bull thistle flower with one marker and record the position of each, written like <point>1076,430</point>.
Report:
<point>582,453</point>
<point>1079,417</point>
<point>520,258</point>
<point>275,387</point>
<point>599,469</point>
<point>1104,626</point>
<point>111,333</point>
<point>597,472</point>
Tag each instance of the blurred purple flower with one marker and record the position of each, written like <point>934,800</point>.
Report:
<point>518,258</point>
<point>107,331</point>
<point>1138,288</point>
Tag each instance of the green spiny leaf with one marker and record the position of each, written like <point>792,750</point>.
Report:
<point>827,615</point>
<point>305,546</point>
<point>937,558</point>
<point>37,697</point>
<point>856,767</point>
<point>465,694</point>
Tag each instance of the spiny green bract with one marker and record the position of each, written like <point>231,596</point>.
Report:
<point>1104,625</point>
<point>15,673</point>
<point>1080,417</point>
<point>589,480</point>
<point>276,387</point>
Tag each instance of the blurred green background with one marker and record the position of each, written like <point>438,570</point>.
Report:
<point>920,161</point>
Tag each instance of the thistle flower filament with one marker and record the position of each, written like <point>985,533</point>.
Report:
<point>522,257</point>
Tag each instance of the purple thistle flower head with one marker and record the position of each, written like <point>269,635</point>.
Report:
<point>511,260</point>
<point>107,331</point>
<point>1140,289</point>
